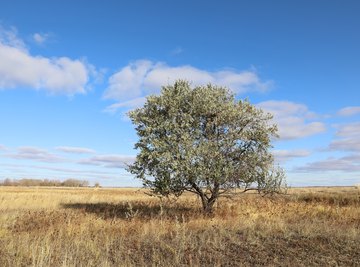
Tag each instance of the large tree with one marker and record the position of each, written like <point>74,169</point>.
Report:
<point>204,141</point>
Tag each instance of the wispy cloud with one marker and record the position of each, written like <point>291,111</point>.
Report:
<point>8,37</point>
<point>2,147</point>
<point>284,155</point>
<point>349,144</point>
<point>350,163</point>
<point>348,138</point>
<point>56,75</point>
<point>349,111</point>
<point>110,161</point>
<point>28,171</point>
<point>178,50</point>
<point>294,120</point>
<point>72,171</point>
<point>40,38</point>
<point>350,129</point>
<point>131,104</point>
<point>43,155</point>
<point>144,77</point>
<point>36,154</point>
<point>75,150</point>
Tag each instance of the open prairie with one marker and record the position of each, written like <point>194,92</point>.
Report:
<point>125,227</point>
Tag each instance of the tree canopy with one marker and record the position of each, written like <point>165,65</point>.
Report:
<point>204,141</point>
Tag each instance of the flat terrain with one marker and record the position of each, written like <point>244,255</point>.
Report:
<point>126,227</point>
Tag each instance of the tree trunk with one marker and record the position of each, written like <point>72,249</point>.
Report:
<point>208,204</point>
<point>209,207</point>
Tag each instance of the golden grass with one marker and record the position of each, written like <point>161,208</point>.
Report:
<point>125,227</point>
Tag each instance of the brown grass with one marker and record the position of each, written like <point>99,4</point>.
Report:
<point>125,227</point>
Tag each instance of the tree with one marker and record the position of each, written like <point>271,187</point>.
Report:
<point>75,183</point>
<point>204,141</point>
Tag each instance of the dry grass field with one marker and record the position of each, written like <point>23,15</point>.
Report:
<point>125,227</point>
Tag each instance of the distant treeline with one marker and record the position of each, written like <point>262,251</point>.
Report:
<point>45,182</point>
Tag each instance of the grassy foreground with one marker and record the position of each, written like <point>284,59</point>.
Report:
<point>125,227</point>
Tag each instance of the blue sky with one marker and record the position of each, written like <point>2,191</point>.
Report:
<point>70,70</point>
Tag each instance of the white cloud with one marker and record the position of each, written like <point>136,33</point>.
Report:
<point>144,77</point>
<point>75,150</point>
<point>9,37</point>
<point>18,68</point>
<point>350,163</point>
<point>35,153</point>
<point>40,172</point>
<point>131,104</point>
<point>348,130</point>
<point>282,156</point>
<point>2,147</point>
<point>349,111</point>
<point>110,161</point>
<point>349,138</point>
<point>40,38</point>
<point>349,144</point>
<point>71,170</point>
<point>294,120</point>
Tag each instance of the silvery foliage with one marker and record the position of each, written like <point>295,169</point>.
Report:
<point>204,141</point>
